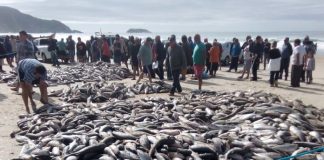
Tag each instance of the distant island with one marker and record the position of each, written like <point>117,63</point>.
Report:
<point>137,30</point>
<point>12,20</point>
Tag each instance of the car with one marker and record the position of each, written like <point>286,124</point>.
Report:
<point>226,58</point>
<point>42,53</point>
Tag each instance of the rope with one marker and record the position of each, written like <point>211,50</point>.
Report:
<point>320,149</point>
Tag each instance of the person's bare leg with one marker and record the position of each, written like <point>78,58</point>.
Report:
<point>134,73</point>
<point>24,95</point>
<point>248,74</point>
<point>43,91</point>
<point>150,78</point>
<point>199,83</point>
<point>140,77</point>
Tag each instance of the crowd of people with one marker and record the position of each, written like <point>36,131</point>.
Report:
<point>152,57</point>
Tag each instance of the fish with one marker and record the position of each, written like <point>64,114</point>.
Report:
<point>97,120</point>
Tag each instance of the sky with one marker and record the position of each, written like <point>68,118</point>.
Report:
<point>179,15</point>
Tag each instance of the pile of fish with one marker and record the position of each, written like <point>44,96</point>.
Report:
<point>8,77</point>
<point>88,72</point>
<point>101,91</point>
<point>204,125</point>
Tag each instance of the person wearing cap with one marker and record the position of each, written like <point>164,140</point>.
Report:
<point>199,57</point>
<point>32,72</point>
<point>177,60</point>
<point>145,57</point>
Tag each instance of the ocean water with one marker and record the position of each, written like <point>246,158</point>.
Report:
<point>316,36</point>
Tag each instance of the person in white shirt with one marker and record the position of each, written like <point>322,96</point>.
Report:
<point>297,63</point>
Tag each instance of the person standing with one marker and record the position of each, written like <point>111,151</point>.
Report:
<point>70,46</point>
<point>246,43</point>
<point>208,46</point>
<point>257,50</point>
<point>145,56</point>
<point>220,54</point>
<point>95,51</point>
<point>285,58</point>
<point>88,45</point>
<point>309,67</point>
<point>136,45</point>
<point>117,50</point>
<point>13,41</point>
<point>159,54</point>
<point>177,60</point>
<point>247,60</point>
<point>214,58</point>
<point>31,72</point>
<point>81,51</point>
<point>2,52</point>
<point>310,49</point>
<point>9,51</point>
<point>199,59</point>
<point>61,49</point>
<point>52,48</point>
<point>188,53</point>
<point>167,65</point>
<point>274,64</point>
<point>235,52</point>
<point>297,63</point>
<point>25,49</point>
<point>267,47</point>
<point>105,51</point>
<point>124,52</point>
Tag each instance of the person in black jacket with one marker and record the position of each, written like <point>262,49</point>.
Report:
<point>81,51</point>
<point>267,47</point>
<point>52,47</point>
<point>274,64</point>
<point>208,46</point>
<point>159,53</point>
<point>257,50</point>
<point>287,51</point>
<point>188,53</point>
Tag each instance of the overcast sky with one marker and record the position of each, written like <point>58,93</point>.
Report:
<point>179,15</point>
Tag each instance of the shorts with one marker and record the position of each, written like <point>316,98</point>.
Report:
<point>134,62</point>
<point>148,69</point>
<point>214,66</point>
<point>21,76</point>
<point>247,65</point>
<point>198,70</point>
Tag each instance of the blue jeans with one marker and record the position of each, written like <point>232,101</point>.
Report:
<point>54,58</point>
<point>176,81</point>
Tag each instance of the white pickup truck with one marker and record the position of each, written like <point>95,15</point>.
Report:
<point>43,53</point>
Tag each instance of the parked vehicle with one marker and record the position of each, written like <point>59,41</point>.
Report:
<point>226,57</point>
<point>43,53</point>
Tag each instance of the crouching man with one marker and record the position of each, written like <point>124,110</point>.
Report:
<point>32,72</point>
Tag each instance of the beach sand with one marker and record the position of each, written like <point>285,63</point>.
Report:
<point>12,104</point>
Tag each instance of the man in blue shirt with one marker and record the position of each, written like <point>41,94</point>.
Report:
<point>31,72</point>
<point>235,52</point>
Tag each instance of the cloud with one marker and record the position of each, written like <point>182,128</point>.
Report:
<point>179,15</point>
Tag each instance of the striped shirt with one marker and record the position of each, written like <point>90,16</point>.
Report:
<point>27,68</point>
